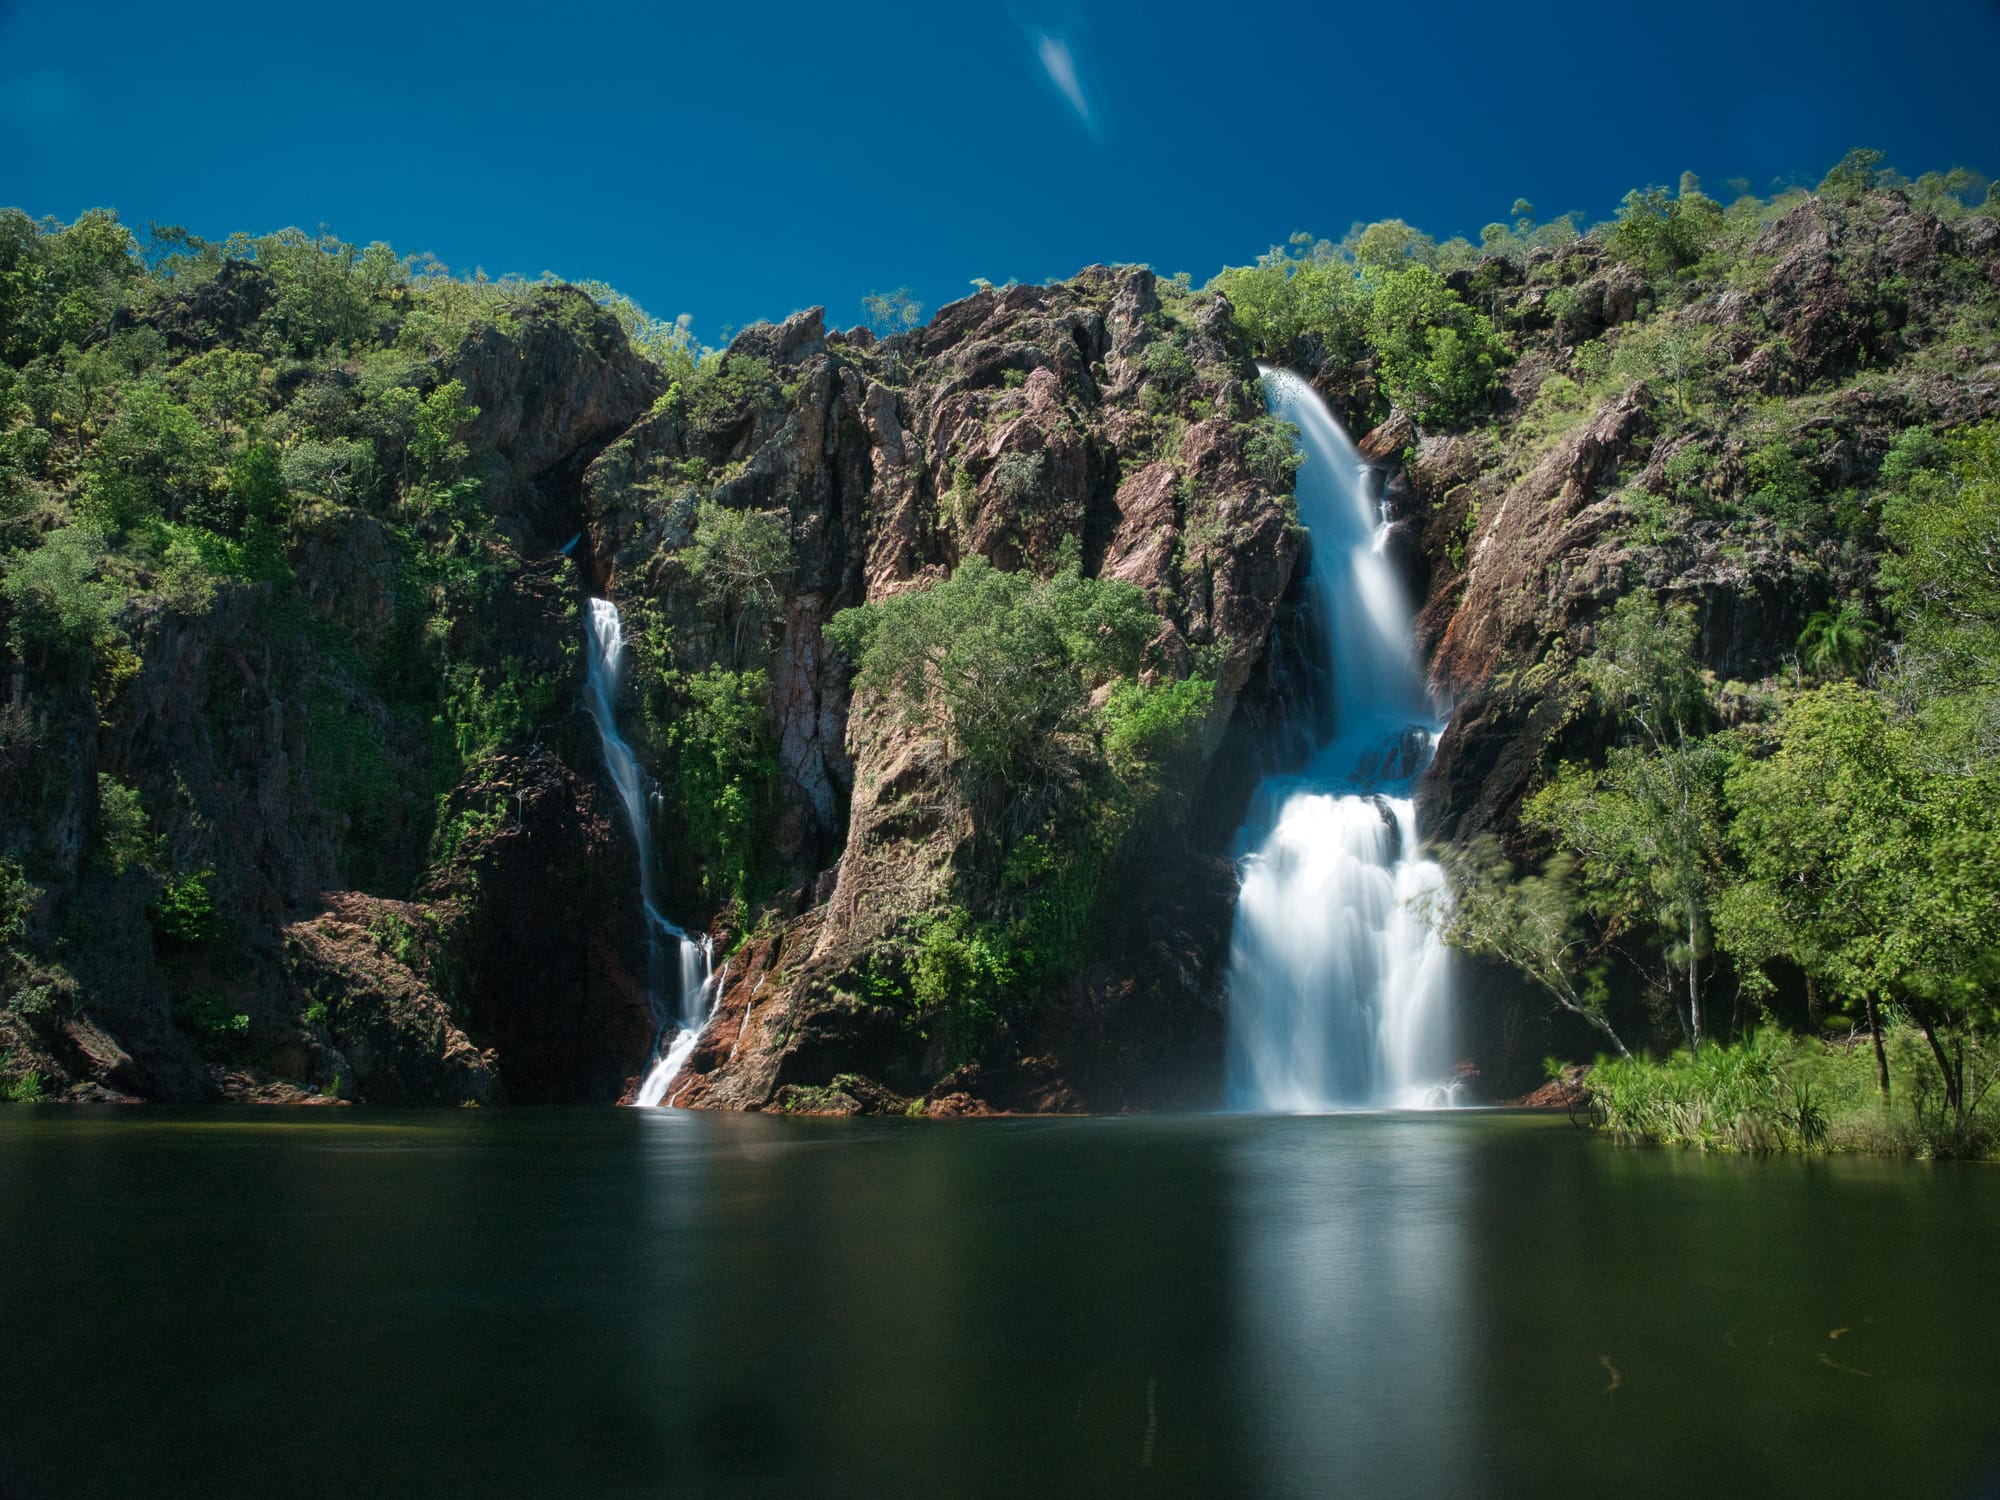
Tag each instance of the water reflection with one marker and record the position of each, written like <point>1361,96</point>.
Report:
<point>653,1302</point>
<point>1354,1333</point>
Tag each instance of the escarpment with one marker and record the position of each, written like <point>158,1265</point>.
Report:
<point>299,798</point>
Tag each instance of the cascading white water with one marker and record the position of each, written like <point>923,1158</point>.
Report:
<point>695,987</point>
<point>1338,989</point>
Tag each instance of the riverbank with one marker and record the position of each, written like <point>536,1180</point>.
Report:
<point>1783,1093</point>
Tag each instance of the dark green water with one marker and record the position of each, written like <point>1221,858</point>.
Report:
<point>626,1303</point>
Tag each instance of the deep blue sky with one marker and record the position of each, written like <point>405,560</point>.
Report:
<point>738,160</point>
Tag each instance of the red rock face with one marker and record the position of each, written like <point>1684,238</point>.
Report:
<point>1015,422</point>
<point>1529,558</point>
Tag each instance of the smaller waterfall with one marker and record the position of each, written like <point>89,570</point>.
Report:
<point>694,987</point>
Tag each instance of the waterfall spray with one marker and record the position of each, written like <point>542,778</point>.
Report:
<point>1337,987</point>
<point>694,987</point>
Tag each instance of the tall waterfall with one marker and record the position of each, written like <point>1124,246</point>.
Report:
<point>1337,987</point>
<point>694,983</point>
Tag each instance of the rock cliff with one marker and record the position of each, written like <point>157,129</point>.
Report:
<point>325,816</point>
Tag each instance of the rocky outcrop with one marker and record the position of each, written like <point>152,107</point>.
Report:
<point>1529,563</point>
<point>1528,539</point>
<point>373,1027</point>
<point>1017,421</point>
<point>553,388</point>
<point>281,737</point>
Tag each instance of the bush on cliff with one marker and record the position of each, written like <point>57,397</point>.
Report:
<point>1056,748</point>
<point>726,768</point>
<point>1438,356</point>
<point>1002,666</point>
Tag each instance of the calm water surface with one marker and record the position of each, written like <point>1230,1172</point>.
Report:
<point>648,1303</point>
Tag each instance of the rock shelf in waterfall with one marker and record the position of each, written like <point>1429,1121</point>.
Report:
<point>1338,987</point>
<point>695,983</point>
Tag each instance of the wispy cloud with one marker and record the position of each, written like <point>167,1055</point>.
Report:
<point>1057,36</point>
<point>1061,68</point>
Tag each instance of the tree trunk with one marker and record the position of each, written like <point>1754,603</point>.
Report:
<point>1605,1026</point>
<point>1694,983</point>
<point>1954,1096</point>
<point>1881,1056</point>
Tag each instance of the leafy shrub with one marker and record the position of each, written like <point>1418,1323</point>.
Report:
<point>17,898</point>
<point>1003,665</point>
<point>485,719</point>
<point>1299,305</point>
<point>184,911</point>
<point>739,560</point>
<point>1167,365</point>
<point>124,834</point>
<point>24,1087</point>
<point>1438,357</point>
<point>717,394</point>
<point>60,602</point>
<point>1147,730</point>
<point>1666,234</point>
<point>217,1030</point>
<point>320,299</point>
<point>1781,486</point>
<point>155,459</point>
<point>1273,453</point>
<point>727,763</point>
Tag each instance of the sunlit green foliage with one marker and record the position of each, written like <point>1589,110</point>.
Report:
<point>1664,233</point>
<point>726,765</point>
<point>739,560</point>
<point>1438,356</point>
<point>1299,304</point>
<point>59,598</point>
<point>184,911</point>
<point>1943,577</point>
<point>125,835</point>
<point>1002,664</point>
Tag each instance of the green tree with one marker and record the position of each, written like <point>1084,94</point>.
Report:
<point>436,422</point>
<point>1682,356</point>
<point>154,460</point>
<point>319,301</point>
<point>1299,304</point>
<point>1853,175</point>
<point>1869,864</point>
<point>1647,824</point>
<point>726,762</point>
<point>58,284</point>
<point>891,313</point>
<point>739,560</point>
<point>1381,249</point>
<point>1532,923</point>
<point>1942,579</point>
<point>1666,234</point>
<point>1438,357</point>
<point>1837,642</point>
<point>59,601</point>
<point>124,833</point>
<point>1003,666</point>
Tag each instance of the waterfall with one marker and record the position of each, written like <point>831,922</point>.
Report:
<point>1338,989</point>
<point>695,989</point>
